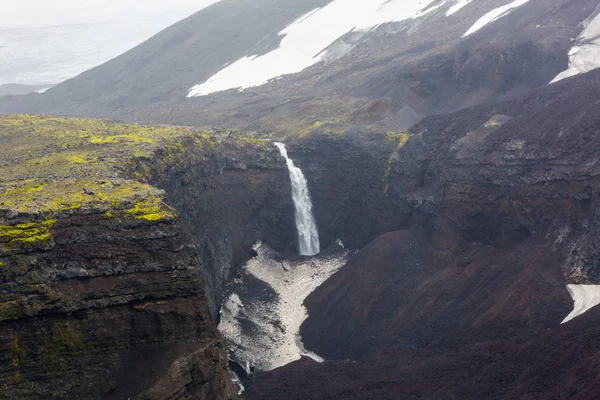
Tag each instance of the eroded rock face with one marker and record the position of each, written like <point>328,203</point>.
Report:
<point>109,312</point>
<point>559,363</point>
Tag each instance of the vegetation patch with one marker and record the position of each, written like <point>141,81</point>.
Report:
<point>53,167</point>
<point>151,209</point>
<point>17,354</point>
<point>61,348</point>
<point>492,124</point>
<point>398,140</point>
<point>15,238</point>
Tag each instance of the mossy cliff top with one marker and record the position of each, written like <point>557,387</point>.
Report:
<point>53,166</point>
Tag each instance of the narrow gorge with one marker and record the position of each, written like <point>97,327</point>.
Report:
<point>262,315</point>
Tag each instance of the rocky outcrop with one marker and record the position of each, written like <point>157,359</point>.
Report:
<point>103,275</point>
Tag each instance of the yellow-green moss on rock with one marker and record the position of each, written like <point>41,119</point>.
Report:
<point>61,348</point>
<point>28,236</point>
<point>54,165</point>
<point>398,140</point>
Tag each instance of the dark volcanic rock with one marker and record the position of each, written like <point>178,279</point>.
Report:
<point>413,290</point>
<point>345,176</point>
<point>557,363</point>
<point>494,195</point>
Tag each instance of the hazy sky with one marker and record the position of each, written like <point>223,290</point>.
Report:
<point>57,12</point>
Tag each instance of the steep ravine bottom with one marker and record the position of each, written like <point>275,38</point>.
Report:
<point>262,315</point>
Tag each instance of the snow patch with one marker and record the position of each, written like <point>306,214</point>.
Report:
<point>584,297</point>
<point>264,329</point>
<point>43,90</point>
<point>494,15</point>
<point>585,55</point>
<point>237,382</point>
<point>304,41</point>
<point>456,7</point>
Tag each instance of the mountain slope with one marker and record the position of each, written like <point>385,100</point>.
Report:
<point>167,65</point>
<point>392,75</point>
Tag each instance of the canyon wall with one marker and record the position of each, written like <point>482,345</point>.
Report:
<point>107,282</point>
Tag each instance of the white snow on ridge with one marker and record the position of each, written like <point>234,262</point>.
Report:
<point>305,39</point>
<point>585,55</point>
<point>456,7</point>
<point>584,297</point>
<point>494,15</point>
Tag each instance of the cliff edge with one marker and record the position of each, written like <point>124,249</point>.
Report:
<point>107,281</point>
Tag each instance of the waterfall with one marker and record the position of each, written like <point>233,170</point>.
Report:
<point>308,235</point>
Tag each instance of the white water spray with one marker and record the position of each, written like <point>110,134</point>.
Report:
<point>308,235</point>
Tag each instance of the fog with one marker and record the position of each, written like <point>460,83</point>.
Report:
<point>23,13</point>
<point>47,42</point>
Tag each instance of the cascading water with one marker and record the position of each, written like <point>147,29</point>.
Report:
<point>308,235</point>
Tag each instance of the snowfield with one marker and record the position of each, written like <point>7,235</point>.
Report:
<point>304,41</point>
<point>494,15</point>
<point>457,7</point>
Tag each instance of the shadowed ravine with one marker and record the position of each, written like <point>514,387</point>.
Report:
<point>262,315</point>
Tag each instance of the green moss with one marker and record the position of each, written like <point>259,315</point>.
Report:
<point>398,140</point>
<point>17,354</point>
<point>133,138</point>
<point>330,127</point>
<point>2,265</point>
<point>80,158</point>
<point>153,209</point>
<point>255,142</point>
<point>492,124</point>
<point>14,237</point>
<point>55,167</point>
<point>60,350</point>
